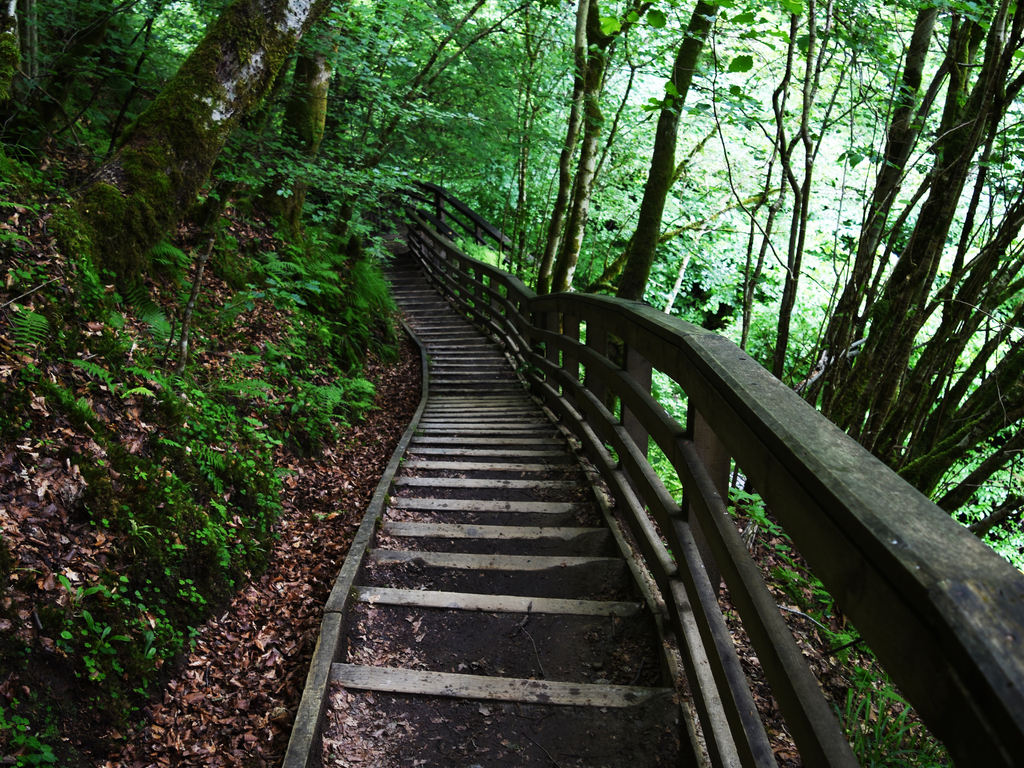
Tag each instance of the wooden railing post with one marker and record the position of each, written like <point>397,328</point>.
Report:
<point>570,359</point>
<point>716,460</point>
<point>597,340</point>
<point>439,205</point>
<point>552,323</point>
<point>639,369</point>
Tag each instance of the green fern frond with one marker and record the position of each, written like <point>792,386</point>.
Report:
<point>149,311</point>
<point>164,254</point>
<point>249,388</point>
<point>284,270</point>
<point>369,287</point>
<point>30,328</point>
<point>97,371</point>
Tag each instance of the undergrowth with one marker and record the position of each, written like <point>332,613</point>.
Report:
<point>177,469</point>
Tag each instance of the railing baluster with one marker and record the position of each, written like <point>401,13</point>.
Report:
<point>715,458</point>
<point>597,340</point>
<point>639,369</point>
<point>553,323</point>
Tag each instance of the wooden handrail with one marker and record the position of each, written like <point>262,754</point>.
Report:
<point>476,226</point>
<point>943,613</point>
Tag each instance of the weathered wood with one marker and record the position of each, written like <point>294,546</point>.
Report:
<point>422,450</point>
<point>468,601</point>
<point>486,505</point>
<point>475,466</point>
<point>462,561</point>
<point>493,688</point>
<point>498,441</point>
<point>458,531</point>
<point>934,604</point>
<point>459,482</point>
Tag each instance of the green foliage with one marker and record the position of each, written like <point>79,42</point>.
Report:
<point>876,720</point>
<point>168,259</point>
<point>148,311</point>
<point>30,328</point>
<point>30,749</point>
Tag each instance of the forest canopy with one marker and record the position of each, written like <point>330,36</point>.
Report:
<point>834,185</point>
<point>192,198</point>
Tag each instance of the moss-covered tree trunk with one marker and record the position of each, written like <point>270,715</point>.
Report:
<point>302,130</point>
<point>645,240</point>
<point>10,53</point>
<point>306,113</point>
<point>165,157</point>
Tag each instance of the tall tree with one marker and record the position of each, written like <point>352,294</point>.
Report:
<point>557,222</point>
<point>598,43</point>
<point>165,157</point>
<point>645,239</point>
<point>10,50</point>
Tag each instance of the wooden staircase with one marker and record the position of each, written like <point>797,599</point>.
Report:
<point>497,618</point>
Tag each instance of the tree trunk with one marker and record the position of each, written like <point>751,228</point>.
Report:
<point>898,315</point>
<point>568,149</point>
<point>645,240</point>
<point>10,53</point>
<point>593,126</point>
<point>302,130</point>
<point>166,156</point>
<point>902,138</point>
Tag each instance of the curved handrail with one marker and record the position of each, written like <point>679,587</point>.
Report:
<point>943,613</point>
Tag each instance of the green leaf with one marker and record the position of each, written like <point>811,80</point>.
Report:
<point>795,7</point>
<point>610,25</point>
<point>670,89</point>
<point>744,18</point>
<point>632,17</point>
<point>656,18</point>
<point>741,64</point>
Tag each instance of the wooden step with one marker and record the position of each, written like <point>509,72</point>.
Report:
<point>468,601</point>
<point>507,440</point>
<point>498,532</point>
<point>470,453</point>
<point>485,505</point>
<point>479,466</point>
<point>461,482</point>
<point>467,562</point>
<point>395,680</point>
<point>494,432</point>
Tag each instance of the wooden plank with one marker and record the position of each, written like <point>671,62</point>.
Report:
<point>467,562</point>
<point>492,401</point>
<point>500,452</point>
<point>494,431</point>
<point>500,532</point>
<point>486,505</point>
<point>392,680</point>
<point>479,416</point>
<point>459,482</point>
<point>486,466</point>
<point>482,409</point>
<point>468,601</point>
<point>508,440</point>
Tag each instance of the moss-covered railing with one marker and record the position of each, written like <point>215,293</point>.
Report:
<point>942,612</point>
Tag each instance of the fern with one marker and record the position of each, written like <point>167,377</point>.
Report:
<point>149,312</point>
<point>172,260</point>
<point>30,328</point>
<point>97,371</point>
<point>249,388</point>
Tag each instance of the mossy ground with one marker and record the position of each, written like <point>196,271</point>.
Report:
<point>134,501</point>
